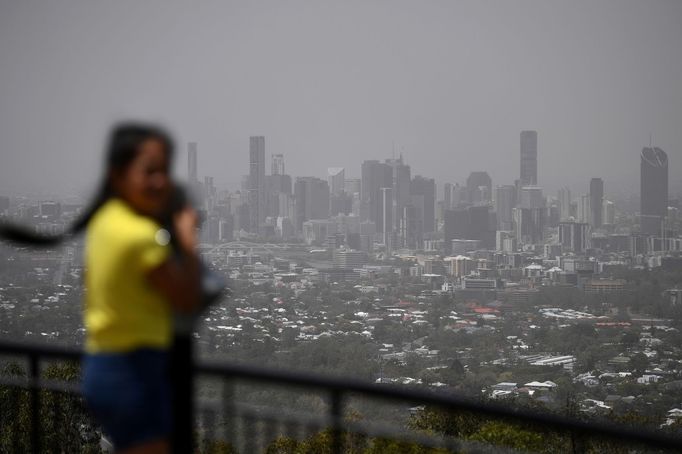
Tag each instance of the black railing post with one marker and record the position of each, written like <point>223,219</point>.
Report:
<point>35,402</point>
<point>229,413</point>
<point>336,413</point>
<point>182,393</point>
<point>17,398</point>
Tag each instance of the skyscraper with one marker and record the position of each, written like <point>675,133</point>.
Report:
<point>336,177</point>
<point>529,158</point>
<point>455,226</point>
<point>470,223</point>
<point>256,182</point>
<point>529,224</point>
<point>608,213</point>
<point>312,200</point>
<point>530,197</point>
<point>387,216</point>
<point>479,187</point>
<point>504,204</point>
<point>375,175</point>
<point>596,201</point>
<point>654,189</point>
<point>423,194</point>
<point>277,166</point>
<point>574,236</point>
<point>447,196</point>
<point>564,203</point>
<point>408,227</point>
<point>192,162</point>
<point>277,189</point>
<point>400,177</point>
<point>584,210</point>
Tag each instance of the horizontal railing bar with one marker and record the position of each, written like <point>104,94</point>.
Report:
<point>42,350</point>
<point>350,385</point>
<point>48,385</point>
<point>366,428</point>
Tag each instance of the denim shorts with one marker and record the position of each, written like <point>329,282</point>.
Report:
<point>129,396</point>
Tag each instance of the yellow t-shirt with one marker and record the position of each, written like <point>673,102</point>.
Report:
<point>122,310</point>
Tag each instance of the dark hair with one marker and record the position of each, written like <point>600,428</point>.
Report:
<point>123,145</point>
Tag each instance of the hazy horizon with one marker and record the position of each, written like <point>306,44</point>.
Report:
<point>448,84</point>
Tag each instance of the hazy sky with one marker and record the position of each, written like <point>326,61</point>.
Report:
<point>449,83</point>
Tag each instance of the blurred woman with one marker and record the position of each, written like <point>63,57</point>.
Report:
<point>134,281</point>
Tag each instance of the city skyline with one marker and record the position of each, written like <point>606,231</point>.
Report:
<point>445,84</point>
<point>592,188</point>
<point>406,210</point>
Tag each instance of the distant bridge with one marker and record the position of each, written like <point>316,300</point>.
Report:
<point>271,248</point>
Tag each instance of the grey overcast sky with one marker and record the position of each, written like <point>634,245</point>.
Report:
<point>449,83</point>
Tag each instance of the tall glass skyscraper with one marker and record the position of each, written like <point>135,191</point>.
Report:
<point>256,182</point>
<point>654,190</point>
<point>192,162</point>
<point>596,201</point>
<point>529,158</point>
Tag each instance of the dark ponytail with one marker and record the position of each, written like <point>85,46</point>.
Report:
<point>124,142</point>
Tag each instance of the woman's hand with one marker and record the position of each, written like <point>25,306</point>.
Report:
<point>179,277</point>
<point>185,223</point>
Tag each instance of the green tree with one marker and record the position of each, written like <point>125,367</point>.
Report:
<point>639,362</point>
<point>64,422</point>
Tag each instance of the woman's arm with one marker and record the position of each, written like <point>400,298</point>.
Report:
<point>178,278</point>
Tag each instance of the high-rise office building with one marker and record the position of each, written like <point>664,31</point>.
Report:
<point>375,175</point>
<point>608,213</point>
<point>596,201</point>
<point>256,182</point>
<point>529,158</point>
<point>278,188</point>
<point>531,197</point>
<point>455,226</point>
<point>447,196</point>
<point>340,204</point>
<point>312,200</point>
<point>574,236</point>
<point>336,177</point>
<point>529,224</point>
<point>400,178</point>
<point>482,224</point>
<point>470,223</point>
<point>352,186</point>
<point>505,241</point>
<point>564,203</point>
<point>460,196</point>
<point>654,190</point>
<point>192,163</point>
<point>4,204</point>
<point>277,166</point>
<point>339,200</point>
<point>387,216</point>
<point>584,209</point>
<point>423,195</point>
<point>505,201</point>
<point>553,215</point>
<point>408,227</point>
<point>479,187</point>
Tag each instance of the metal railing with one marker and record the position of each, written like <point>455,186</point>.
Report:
<point>224,420</point>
